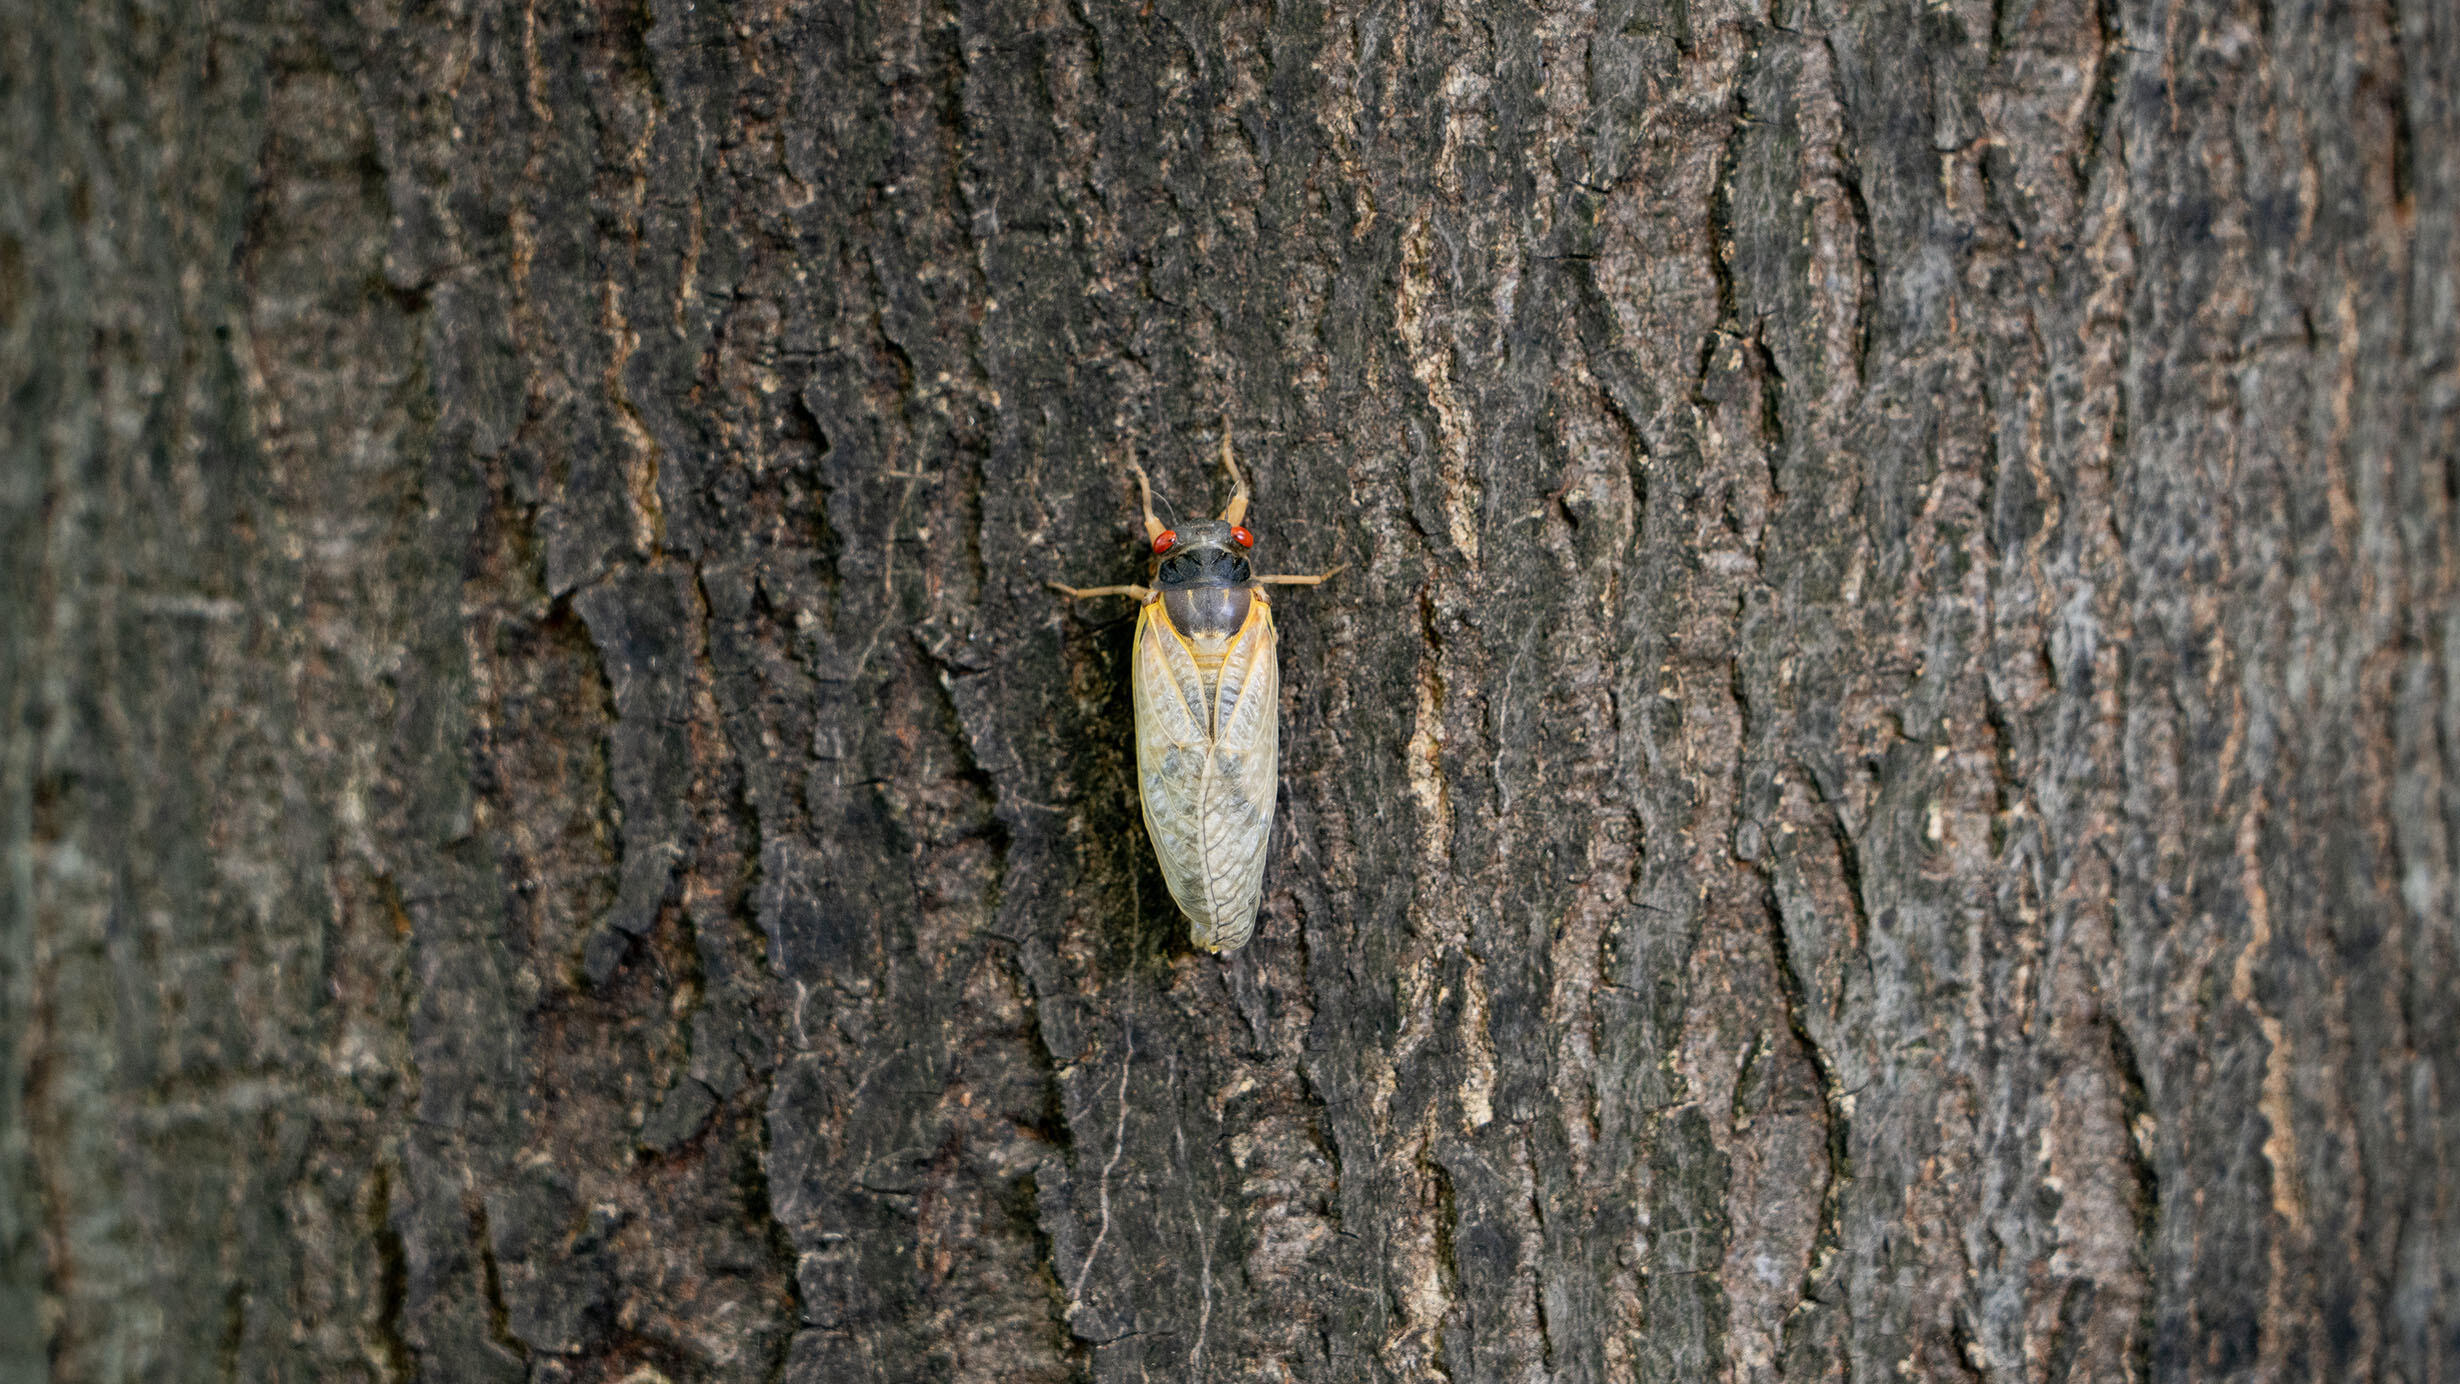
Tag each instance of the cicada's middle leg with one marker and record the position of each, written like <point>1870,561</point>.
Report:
<point>1141,593</point>
<point>1316,580</point>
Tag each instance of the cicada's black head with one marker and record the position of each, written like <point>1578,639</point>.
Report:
<point>1201,570</point>
<point>1203,553</point>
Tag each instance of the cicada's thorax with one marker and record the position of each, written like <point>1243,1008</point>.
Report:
<point>1206,589</point>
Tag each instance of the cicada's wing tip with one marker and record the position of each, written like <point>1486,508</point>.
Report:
<point>1214,941</point>
<point>1223,941</point>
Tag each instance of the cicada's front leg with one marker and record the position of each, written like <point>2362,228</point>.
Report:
<point>1154,534</point>
<point>1236,510</point>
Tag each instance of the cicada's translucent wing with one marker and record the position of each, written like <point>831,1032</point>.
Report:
<point>1173,745</point>
<point>1207,745</point>
<point>1247,772</point>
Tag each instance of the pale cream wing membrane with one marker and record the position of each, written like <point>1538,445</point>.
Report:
<point>1173,752</point>
<point>1238,805</point>
<point>1205,752</point>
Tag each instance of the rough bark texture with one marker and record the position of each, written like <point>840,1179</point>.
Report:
<point>1878,798</point>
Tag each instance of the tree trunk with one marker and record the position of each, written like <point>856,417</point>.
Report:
<point>1877,797</point>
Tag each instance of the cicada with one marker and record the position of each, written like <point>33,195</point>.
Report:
<point>1208,727</point>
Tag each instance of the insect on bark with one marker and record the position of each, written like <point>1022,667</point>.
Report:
<point>1208,725</point>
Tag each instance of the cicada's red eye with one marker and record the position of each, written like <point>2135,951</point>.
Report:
<point>1246,539</point>
<point>1163,540</point>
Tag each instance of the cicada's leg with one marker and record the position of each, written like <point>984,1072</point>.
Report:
<point>1141,593</point>
<point>1237,509</point>
<point>1154,528</point>
<point>1317,580</point>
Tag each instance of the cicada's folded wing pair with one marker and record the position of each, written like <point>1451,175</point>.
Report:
<point>1208,742</point>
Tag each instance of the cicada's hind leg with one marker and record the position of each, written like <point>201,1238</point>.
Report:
<point>1237,508</point>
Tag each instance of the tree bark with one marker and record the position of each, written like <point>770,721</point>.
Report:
<point>1877,796</point>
